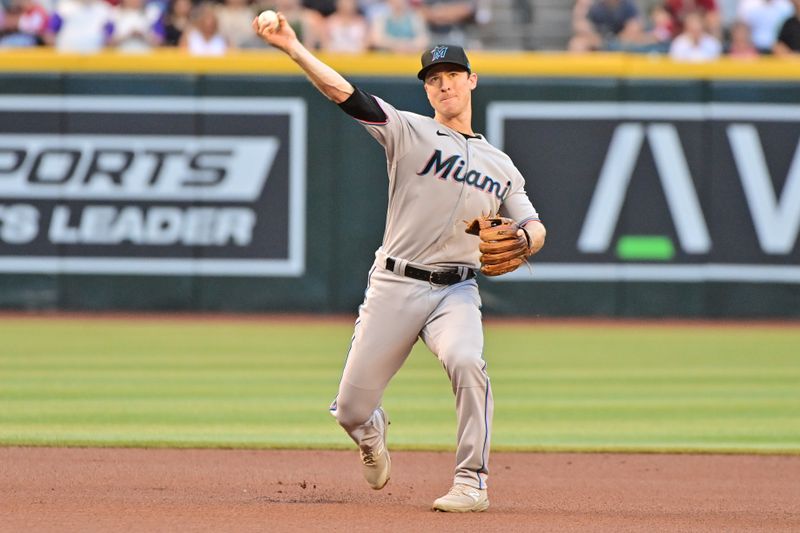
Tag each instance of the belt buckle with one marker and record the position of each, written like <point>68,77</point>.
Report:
<point>442,277</point>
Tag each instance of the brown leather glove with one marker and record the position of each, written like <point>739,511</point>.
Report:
<point>502,249</point>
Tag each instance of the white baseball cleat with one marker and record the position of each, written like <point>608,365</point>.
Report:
<point>377,463</point>
<point>463,499</point>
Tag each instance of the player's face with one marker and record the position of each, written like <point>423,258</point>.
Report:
<point>449,89</point>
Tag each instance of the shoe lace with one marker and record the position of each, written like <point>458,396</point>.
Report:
<point>461,490</point>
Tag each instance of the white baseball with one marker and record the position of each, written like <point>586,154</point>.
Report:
<point>268,19</point>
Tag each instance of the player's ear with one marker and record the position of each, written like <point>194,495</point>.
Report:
<point>473,80</point>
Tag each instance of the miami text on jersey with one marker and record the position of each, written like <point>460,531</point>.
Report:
<point>455,164</point>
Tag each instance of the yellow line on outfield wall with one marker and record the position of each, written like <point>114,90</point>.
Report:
<point>502,64</point>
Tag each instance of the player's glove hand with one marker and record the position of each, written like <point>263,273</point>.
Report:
<point>504,244</point>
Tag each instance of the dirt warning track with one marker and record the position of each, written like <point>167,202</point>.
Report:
<point>90,489</point>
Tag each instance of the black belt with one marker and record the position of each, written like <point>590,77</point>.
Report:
<point>437,277</point>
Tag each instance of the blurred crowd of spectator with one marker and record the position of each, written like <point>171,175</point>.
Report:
<point>206,27</point>
<point>687,30</point>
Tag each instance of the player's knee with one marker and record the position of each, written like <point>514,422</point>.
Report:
<point>351,415</point>
<point>465,367</point>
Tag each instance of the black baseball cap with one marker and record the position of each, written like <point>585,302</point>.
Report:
<point>443,53</point>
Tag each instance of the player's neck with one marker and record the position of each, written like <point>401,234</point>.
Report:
<point>461,123</point>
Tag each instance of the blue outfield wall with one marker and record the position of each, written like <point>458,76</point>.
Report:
<point>246,193</point>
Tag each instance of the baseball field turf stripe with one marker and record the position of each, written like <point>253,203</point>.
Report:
<point>645,248</point>
<point>579,386</point>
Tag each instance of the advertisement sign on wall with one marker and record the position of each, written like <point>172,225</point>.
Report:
<point>152,186</point>
<point>658,192</point>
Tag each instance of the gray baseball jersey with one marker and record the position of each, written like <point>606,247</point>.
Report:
<point>438,179</point>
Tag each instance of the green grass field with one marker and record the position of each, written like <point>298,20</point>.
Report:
<point>260,384</point>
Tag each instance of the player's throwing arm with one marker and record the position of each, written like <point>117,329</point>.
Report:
<point>274,29</point>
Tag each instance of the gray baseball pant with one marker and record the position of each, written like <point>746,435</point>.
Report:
<point>396,311</point>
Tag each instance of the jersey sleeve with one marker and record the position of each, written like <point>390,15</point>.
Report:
<point>363,107</point>
<point>390,127</point>
<point>517,205</point>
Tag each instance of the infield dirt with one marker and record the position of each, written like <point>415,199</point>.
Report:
<point>92,489</point>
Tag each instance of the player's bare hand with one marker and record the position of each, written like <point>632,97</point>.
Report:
<point>278,34</point>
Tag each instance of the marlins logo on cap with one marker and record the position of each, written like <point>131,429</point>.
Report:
<point>443,53</point>
<point>439,53</point>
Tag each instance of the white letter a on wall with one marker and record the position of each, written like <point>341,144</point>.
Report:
<point>615,177</point>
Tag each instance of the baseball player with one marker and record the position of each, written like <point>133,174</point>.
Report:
<point>422,283</point>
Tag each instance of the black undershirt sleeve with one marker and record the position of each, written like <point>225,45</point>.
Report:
<point>363,106</point>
